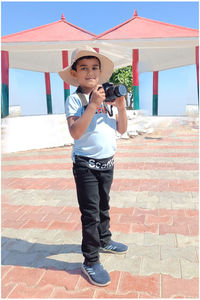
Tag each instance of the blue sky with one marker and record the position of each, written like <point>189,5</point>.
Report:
<point>177,87</point>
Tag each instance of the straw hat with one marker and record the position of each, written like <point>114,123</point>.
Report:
<point>107,65</point>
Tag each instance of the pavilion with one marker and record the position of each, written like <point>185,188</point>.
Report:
<point>147,45</point>
<point>151,46</point>
<point>42,49</point>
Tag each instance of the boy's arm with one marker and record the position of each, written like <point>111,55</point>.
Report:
<point>79,125</point>
<point>121,121</point>
<point>121,117</point>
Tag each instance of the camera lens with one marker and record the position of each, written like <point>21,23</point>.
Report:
<point>122,90</point>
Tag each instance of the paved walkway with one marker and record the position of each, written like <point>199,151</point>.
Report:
<point>154,202</point>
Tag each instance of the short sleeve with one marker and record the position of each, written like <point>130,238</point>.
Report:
<point>73,106</point>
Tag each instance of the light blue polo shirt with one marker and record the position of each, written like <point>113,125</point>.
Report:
<point>99,140</point>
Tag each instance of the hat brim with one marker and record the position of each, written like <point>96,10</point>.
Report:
<point>107,67</point>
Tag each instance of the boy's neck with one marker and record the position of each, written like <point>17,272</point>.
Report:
<point>85,90</point>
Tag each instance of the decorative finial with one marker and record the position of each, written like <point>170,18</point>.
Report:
<point>135,13</point>
<point>63,17</point>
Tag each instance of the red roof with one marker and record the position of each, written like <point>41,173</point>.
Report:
<point>57,31</point>
<point>142,28</point>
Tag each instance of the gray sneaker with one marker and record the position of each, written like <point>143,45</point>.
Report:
<point>96,274</point>
<point>115,247</point>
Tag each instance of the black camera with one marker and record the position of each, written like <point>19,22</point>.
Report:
<point>114,91</point>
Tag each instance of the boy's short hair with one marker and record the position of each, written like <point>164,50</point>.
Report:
<point>73,67</point>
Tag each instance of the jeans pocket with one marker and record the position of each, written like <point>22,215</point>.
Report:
<point>80,171</point>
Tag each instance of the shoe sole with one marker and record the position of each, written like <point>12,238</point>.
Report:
<point>92,281</point>
<point>112,251</point>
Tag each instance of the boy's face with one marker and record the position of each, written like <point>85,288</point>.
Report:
<point>87,73</point>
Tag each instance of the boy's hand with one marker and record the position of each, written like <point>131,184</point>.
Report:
<point>98,96</point>
<point>119,103</point>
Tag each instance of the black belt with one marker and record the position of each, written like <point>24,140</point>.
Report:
<point>95,164</point>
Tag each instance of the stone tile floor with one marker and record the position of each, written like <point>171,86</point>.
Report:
<point>154,209</point>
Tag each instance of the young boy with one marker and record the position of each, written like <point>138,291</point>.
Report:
<point>93,128</point>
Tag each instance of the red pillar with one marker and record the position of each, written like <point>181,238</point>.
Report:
<point>155,94</point>
<point>197,68</point>
<point>135,60</point>
<point>65,64</point>
<point>5,83</point>
<point>48,93</point>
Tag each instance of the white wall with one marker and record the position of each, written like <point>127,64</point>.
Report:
<point>46,131</point>
<point>34,132</point>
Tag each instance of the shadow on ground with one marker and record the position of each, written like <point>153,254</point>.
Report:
<point>17,252</point>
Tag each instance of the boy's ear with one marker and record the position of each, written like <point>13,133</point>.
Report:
<point>73,73</point>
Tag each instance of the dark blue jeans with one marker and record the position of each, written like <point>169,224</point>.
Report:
<point>93,188</point>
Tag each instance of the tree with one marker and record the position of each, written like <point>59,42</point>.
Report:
<point>124,76</point>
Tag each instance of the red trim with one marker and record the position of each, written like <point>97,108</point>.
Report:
<point>197,62</point>
<point>65,64</point>
<point>135,13</point>
<point>135,61</point>
<point>47,83</point>
<point>5,67</point>
<point>155,83</point>
<point>96,49</point>
<point>63,17</point>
